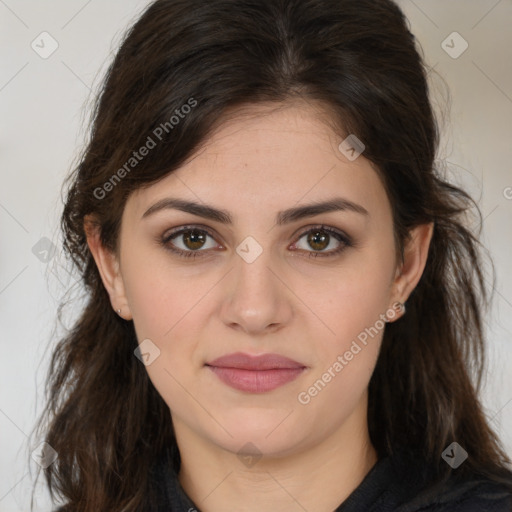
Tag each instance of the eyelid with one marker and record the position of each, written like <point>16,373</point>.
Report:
<point>188,227</point>
<point>341,236</point>
<point>321,227</point>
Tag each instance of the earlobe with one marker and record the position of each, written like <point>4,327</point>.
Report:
<point>414,262</point>
<point>108,268</point>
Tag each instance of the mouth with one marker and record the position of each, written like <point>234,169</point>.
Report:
<point>255,374</point>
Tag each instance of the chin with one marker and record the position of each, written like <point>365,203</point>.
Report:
<point>264,431</point>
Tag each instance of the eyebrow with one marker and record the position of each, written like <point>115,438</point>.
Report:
<point>282,217</point>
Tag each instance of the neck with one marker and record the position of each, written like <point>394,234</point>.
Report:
<point>319,477</point>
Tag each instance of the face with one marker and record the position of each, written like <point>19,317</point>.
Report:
<point>261,277</point>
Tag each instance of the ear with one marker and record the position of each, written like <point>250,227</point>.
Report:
<point>108,267</point>
<point>411,269</point>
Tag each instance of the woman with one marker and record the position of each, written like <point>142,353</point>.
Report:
<point>284,303</point>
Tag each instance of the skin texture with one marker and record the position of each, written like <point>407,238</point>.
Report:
<point>309,309</point>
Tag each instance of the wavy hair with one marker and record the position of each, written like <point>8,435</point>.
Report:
<point>360,61</point>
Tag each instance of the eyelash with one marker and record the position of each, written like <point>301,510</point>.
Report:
<point>338,235</point>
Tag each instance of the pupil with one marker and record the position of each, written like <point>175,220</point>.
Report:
<point>318,240</point>
<point>194,239</point>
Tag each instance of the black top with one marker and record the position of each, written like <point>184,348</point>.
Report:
<point>396,483</point>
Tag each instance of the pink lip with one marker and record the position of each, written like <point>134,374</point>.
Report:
<point>255,374</point>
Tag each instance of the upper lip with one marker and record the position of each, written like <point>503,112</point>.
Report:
<point>243,361</point>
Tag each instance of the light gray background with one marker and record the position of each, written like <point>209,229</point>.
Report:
<point>43,112</point>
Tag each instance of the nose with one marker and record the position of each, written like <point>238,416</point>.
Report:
<point>256,297</point>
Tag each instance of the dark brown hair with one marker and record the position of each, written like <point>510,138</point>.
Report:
<point>359,60</point>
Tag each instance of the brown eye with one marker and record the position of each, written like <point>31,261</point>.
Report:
<point>318,240</point>
<point>194,239</point>
<point>321,238</point>
<point>188,241</point>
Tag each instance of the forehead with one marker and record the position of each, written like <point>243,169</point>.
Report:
<point>265,158</point>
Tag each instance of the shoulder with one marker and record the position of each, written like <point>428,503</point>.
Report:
<point>462,495</point>
<point>456,493</point>
<point>481,498</point>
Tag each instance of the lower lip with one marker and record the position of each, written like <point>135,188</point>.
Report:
<point>256,381</point>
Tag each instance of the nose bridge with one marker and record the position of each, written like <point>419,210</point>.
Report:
<point>257,298</point>
<point>253,266</point>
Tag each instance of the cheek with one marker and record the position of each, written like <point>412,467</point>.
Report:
<point>349,316</point>
<point>158,294</point>
<point>352,297</point>
<point>163,309</point>
<point>346,357</point>
<point>338,319</point>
